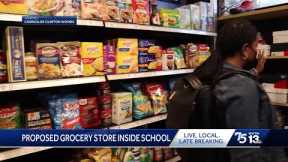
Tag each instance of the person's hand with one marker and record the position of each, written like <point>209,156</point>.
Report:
<point>261,61</point>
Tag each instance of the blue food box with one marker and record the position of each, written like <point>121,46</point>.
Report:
<point>15,54</point>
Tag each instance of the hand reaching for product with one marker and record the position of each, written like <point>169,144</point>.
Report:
<point>261,61</point>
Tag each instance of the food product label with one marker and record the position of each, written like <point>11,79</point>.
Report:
<point>92,58</point>
<point>15,54</point>
<point>109,59</point>
<point>94,9</point>
<point>126,11</point>
<point>127,56</point>
<point>70,59</point>
<point>121,108</point>
<point>48,60</point>
<point>54,7</point>
<point>141,12</point>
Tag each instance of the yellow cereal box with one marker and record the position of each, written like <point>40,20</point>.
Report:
<point>92,58</point>
<point>127,56</point>
<point>14,6</point>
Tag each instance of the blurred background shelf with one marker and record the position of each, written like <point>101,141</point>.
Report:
<point>259,14</point>
<point>277,57</point>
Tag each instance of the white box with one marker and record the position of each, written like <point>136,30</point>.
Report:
<point>185,17</point>
<point>121,107</point>
<point>195,17</point>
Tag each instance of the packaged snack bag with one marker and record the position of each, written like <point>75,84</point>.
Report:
<point>94,9</point>
<point>15,54</point>
<point>89,112</point>
<point>92,58</point>
<point>10,116</point>
<point>48,58</point>
<point>3,67</point>
<point>14,7</point>
<point>71,112</point>
<point>113,10</point>
<point>158,96</point>
<point>121,107</point>
<point>168,58</point>
<point>54,7</point>
<point>70,59</point>
<point>141,104</point>
<point>179,58</point>
<point>146,155</point>
<point>204,52</point>
<point>55,107</point>
<point>141,12</point>
<point>185,17</point>
<point>109,57</point>
<point>127,56</point>
<point>31,66</point>
<point>101,155</point>
<point>126,11</point>
<point>191,55</point>
<point>154,58</point>
<point>170,18</point>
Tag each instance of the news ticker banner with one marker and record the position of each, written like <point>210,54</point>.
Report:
<point>182,138</point>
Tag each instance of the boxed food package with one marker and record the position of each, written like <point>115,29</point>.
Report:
<point>48,58</point>
<point>15,54</point>
<point>31,66</point>
<point>113,10</point>
<point>195,17</point>
<point>170,18</point>
<point>10,116</point>
<point>127,56</point>
<point>35,118</point>
<point>92,58</point>
<point>203,6</point>
<point>14,6</point>
<point>141,12</point>
<point>109,58</point>
<point>70,59</point>
<point>168,59</point>
<point>121,107</point>
<point>126,11</point>
<point>143,58</point>
<point>89,112</point>
<point>155,58</point>
<point>54,7</point>
<point>94,9</point>
<point>3,67</point>
<point>204,52</point>
<point>155,17</point>
<point>105,104</point>
<point>191,55</point>
<point>185,17</point>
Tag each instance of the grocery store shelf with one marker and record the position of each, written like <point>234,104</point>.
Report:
<point>89,23</point>
<point>9,154</point>
<point>277,57</point>
<point>142,122</point>
<point>148,74</point>
<point>280,104</point>
<point>49,83</point>
<point>175,159</point>
<point>260,14</point>
<point>156,28</point>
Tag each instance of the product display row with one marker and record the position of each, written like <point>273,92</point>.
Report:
<point>48,60</point>
<point>125,155</point>
<point>198,16</point>
<point>98,109</point>
<point>278,92</point>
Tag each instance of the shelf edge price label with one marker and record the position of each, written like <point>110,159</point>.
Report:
<point>6,87</point>
<point>49,20</point>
